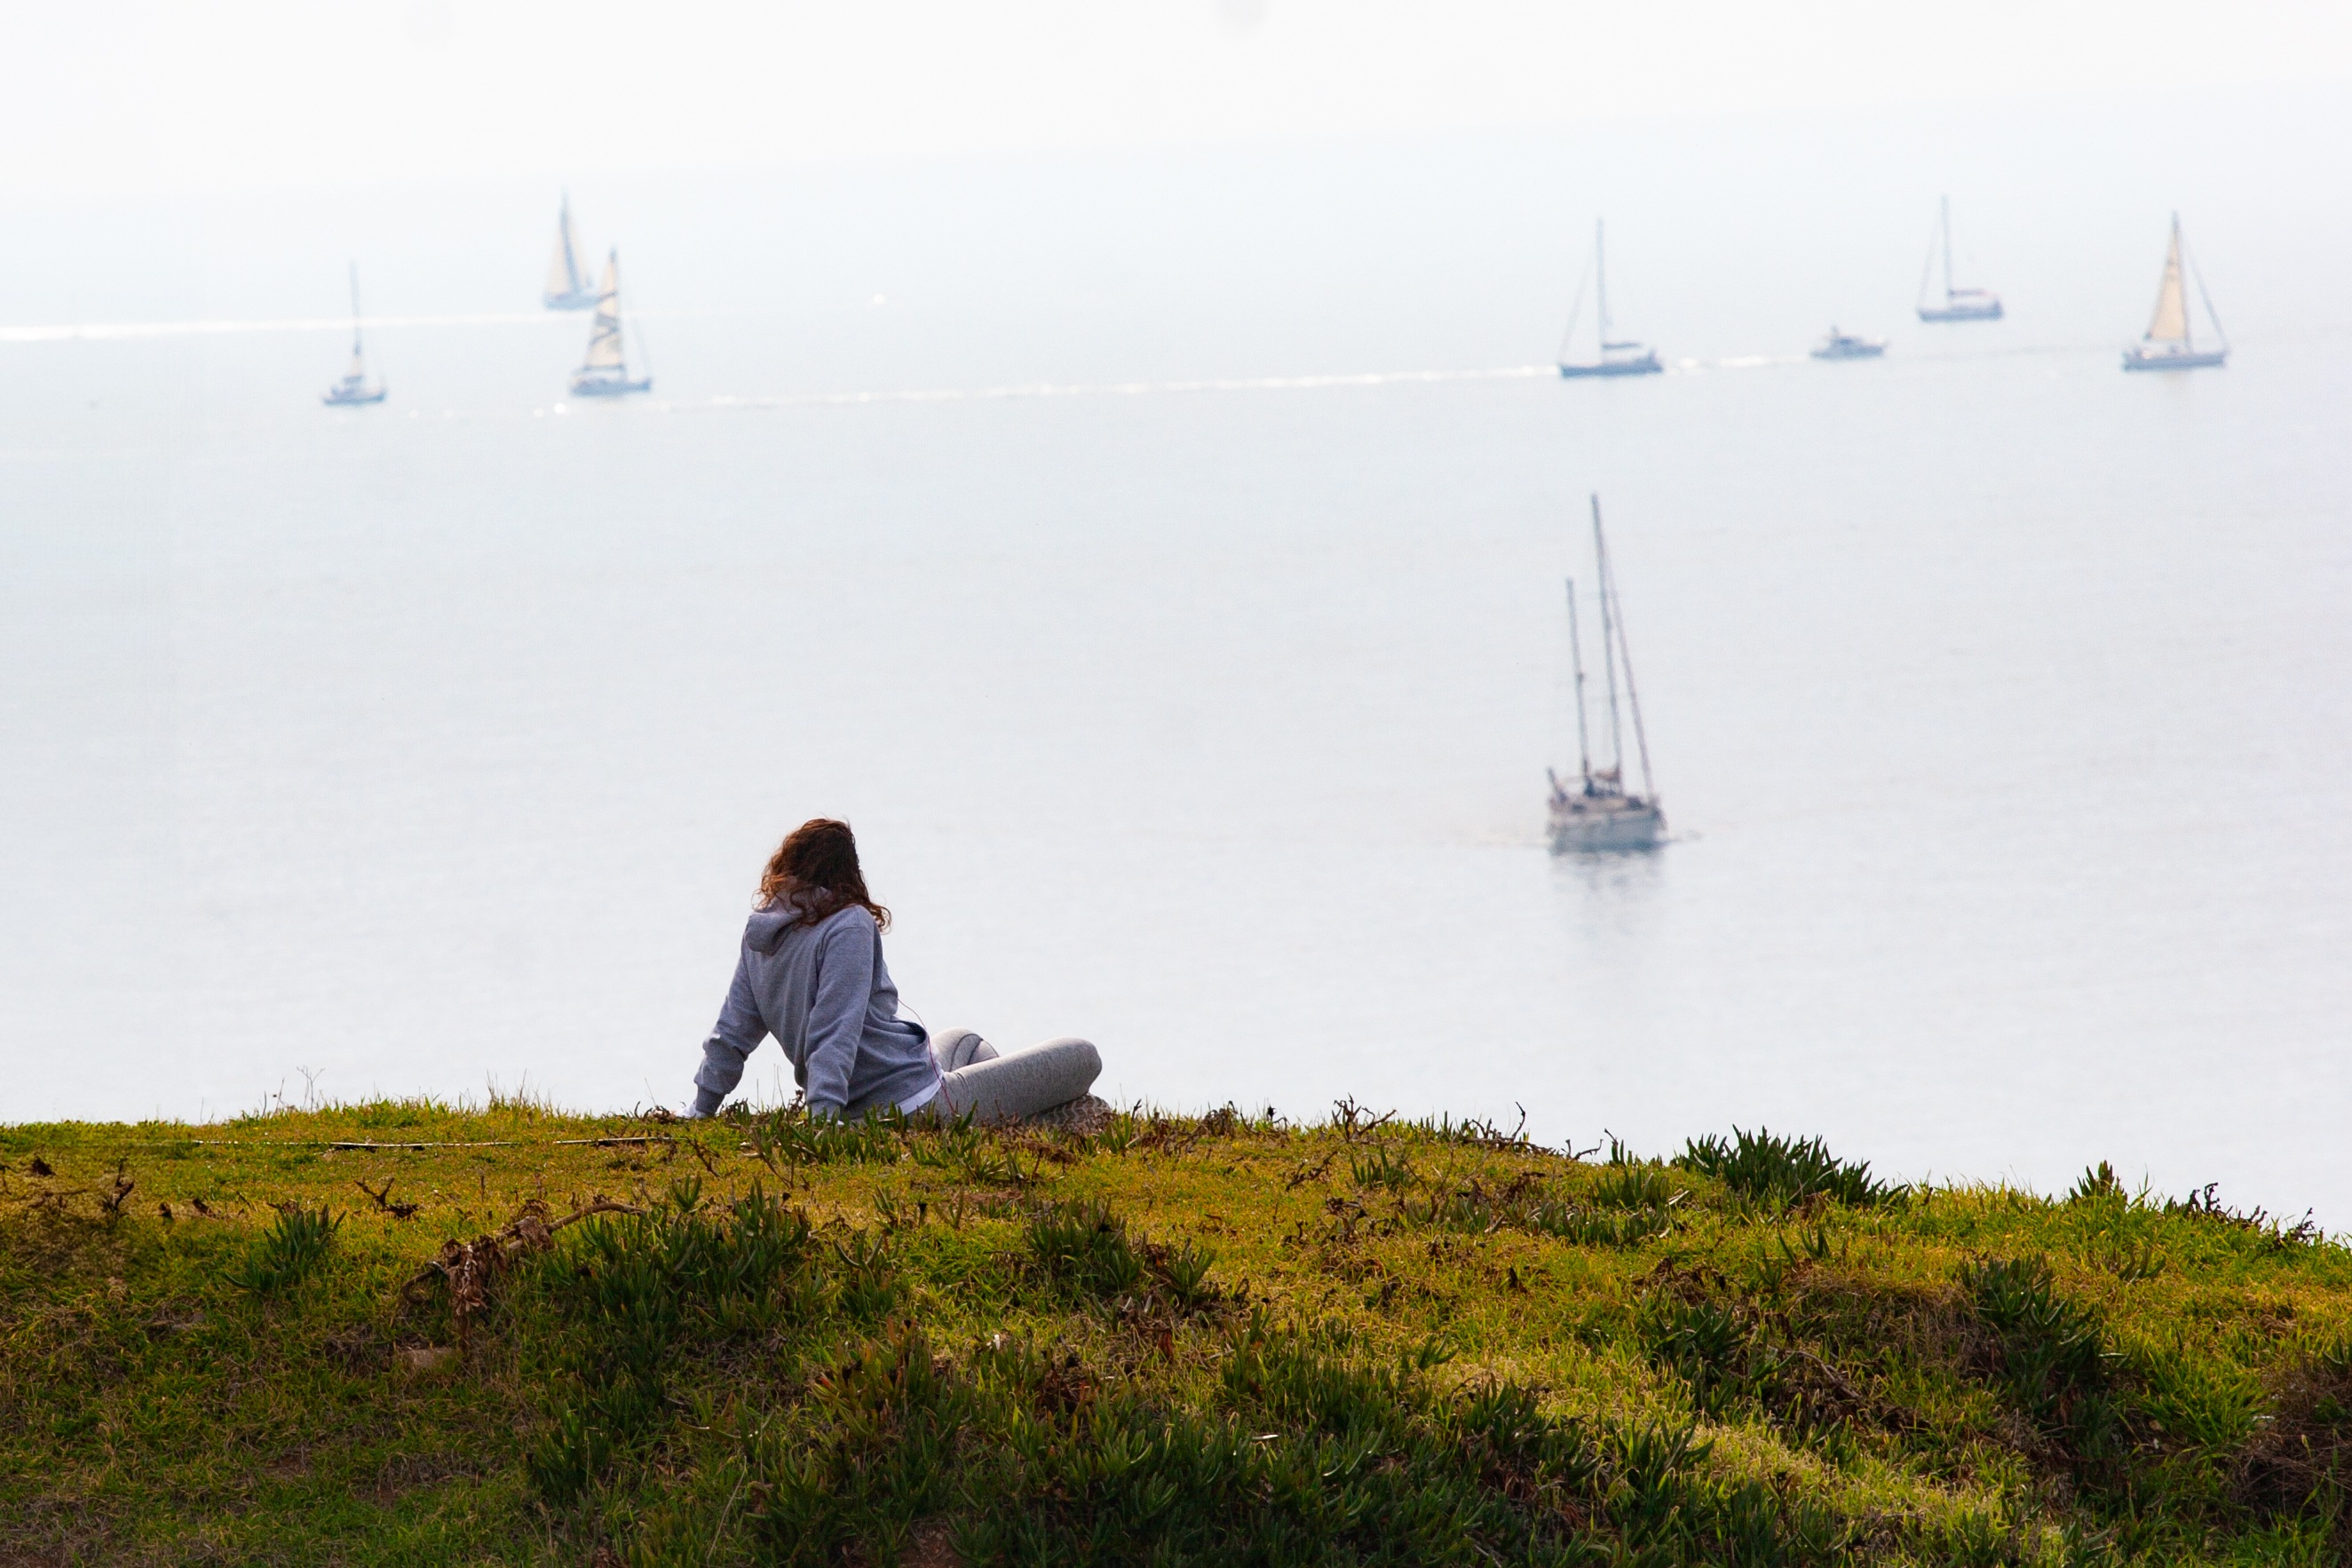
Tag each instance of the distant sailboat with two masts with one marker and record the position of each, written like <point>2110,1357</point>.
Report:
<point>1610,356</point>
<point>1598,812</point>
<point>605,372</point>
<point>353,390</point>
<point>1959,304</point>
<point>2170,341</point>
<point>567,275</point>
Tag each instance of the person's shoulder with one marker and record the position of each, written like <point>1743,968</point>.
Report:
<point>850,919</point>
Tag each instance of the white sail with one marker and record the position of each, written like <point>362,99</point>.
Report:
<point>564,271</point>
<point>604,336</point>
<point>2170,322</point>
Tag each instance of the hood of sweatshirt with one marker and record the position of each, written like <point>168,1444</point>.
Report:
<point>766,928</point>
<point>766,931</point>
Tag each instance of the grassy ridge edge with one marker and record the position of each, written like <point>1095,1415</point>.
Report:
<point>405,1332</point>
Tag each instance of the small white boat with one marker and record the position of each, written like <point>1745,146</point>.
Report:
<point>1598,814</point>
<point>567,275</point>
<point>1845,345</point>
<point>2171,343</point>
<point>605,373</point>
<point>1959,304</point>
<point>1610,356</point>
<point>353,390</point>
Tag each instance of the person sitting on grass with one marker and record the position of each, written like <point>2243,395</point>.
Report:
<point>810,973</point>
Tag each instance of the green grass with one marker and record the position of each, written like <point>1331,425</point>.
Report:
<point>544,1338</point>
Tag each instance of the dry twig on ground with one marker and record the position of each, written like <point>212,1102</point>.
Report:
<point>471,1270</point>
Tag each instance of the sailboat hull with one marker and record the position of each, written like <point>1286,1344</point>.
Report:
<point>1583,825</point>
<point>1647,364</point>
<point>1984,312</point>
<point>2184,359</point>
<point>338,398</point>
<point>587,384</point>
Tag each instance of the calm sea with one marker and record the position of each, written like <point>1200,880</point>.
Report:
<point>1176,609</point>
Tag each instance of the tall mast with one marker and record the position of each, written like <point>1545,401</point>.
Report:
<point>1947,227</point>
<point>570,259</point>
<point>1576,655</point>
<point>355,309</point>
<point>1601,281</point>
<point>1632,696</point>
<point>1608,649</point>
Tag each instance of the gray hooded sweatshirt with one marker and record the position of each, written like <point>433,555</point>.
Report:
<point>823,991</point>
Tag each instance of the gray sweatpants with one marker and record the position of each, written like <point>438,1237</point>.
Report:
<point>975,1081</point>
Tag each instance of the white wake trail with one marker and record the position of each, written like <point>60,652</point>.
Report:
<point>115,332</point>
<point>1119,388</point>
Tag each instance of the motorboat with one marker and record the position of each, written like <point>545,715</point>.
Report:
<point>1845,345</point>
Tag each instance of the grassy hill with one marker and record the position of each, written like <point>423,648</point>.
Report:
<point>410,1333</point>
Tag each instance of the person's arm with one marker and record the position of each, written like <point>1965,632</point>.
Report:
<point>737,1035</point>
<point>845,991</point>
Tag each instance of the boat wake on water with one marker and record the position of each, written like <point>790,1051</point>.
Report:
<point>1118,388</point>
<point>113,331</point>
<point>1741,361</point>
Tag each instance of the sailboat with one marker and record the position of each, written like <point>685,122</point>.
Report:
<point>604,374</point>
<point>1618,357</point>
<point>1598,813</point>
<point>1959,304</point>
<point>2169,343</point>
<point>354,389</point>
<point>567,275</point>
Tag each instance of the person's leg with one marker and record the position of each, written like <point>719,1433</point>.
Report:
<point>1006,1089</point>
<point>957,1048</point>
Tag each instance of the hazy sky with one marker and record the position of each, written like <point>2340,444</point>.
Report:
<point>107,101</point>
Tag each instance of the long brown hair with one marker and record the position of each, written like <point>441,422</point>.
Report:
<point>814,870</point>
